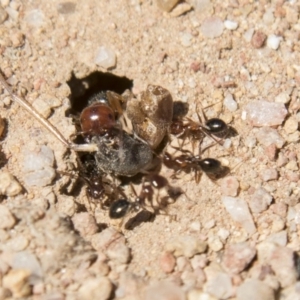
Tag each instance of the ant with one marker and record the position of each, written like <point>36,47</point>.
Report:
<point>145,199</point>
<point>188,162</point>
<point>196,130</point>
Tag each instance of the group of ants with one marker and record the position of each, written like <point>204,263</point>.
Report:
<point>101,125</point>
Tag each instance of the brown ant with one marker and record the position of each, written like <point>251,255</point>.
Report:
<point>188,162</point>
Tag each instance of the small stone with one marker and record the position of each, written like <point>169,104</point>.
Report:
<point>230,103</point>
<point>17,243</point>
<point>17,39</point>
<point>254,289</point>
<point>35,18</point>
<point>292,165</point>
<point>282,262</point>
<point>219,286</point>
<point>248,35</point>
<point>66,7</point>
<point>196,294</point>
<point>264,113</point>
<point>283,97</point>
<point>9,186</point>
<point>237,257</point>
<point>291,293</point>
<point>215,244</point>
<point>278,238</point>
<point>268,136</point>
<point>258,39</point>
<point>95,288</point>
<point>223,234</point>
<point>3,15</point>
<point>17,282</point>
<point>230,186</point>
<point>8,220</point>
<point>66,205</point>
<point>280,209</point>
<point>271,152</point>
<point>212,27</point>
<point>239,211</point>
<point>273,41</point>
<point>105,57</point>
<point>291,125</point>
<point>167,262</point>
<point>166,5</point>
<point>185,245</point>
<point>293,137</point>
<point>260,200</point>
<point>181,9</point>
<point>5,294</point>
<point>186,39</point>
<point>85,223</point>
<point>269,174</point>
<point>231,25</point>
<point>163,290</point>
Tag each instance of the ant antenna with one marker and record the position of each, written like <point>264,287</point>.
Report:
<point>45,123</point>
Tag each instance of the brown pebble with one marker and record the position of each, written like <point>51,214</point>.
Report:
<point>271,152</point>
<point>258,39</point>
<point>167,262</point>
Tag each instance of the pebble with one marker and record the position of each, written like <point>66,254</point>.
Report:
<point>66,205</point>
<point>38,166</point>
<point>283,97</point>
<point>268,136</point>
<point>85,224</point>
<point>282,261</point>
<point>199,295</point>
<point>223,234</point>
<point>230,186</point>
<point>231,25</point>
<point>105,57</point>
<point>290,293</point>
<point>8,220</point>
<point>254,289</point>
<point>99,288</point>
<point>35,18</point>
<point>215,244</point>
<point>291,125</point>
<point>166,5</point>
<point>113,244</point>
<point>3,15</point>
<point>17,243</point>
<point>273,41</point>
<point>28,261</point>
<point>9,186</point>
<point>167,262</point>
<point>237,257</point>
<point>258,39</point>
<point>185,245</point>
<point>239,211</point>
<point>230,103</point>
<point>269,174</point>
<point>260,200</point>
<point>66,8</point>
<point>17,39</point>
<point>278,238</point>
<point>186,39</point>
<point>212,27</point>
<point>181,9</point>
<point>292,165</point>
<point>5,294</point>
<point>219,286</point>
<point>264,113</point>
<point>17,282</point>
<point>163,290</point>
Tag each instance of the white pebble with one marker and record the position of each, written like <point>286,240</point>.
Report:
<point>186,39</point>
<point>105,57</point>
<point>230,103</point>
<point>273,41</point>
<point>283,97</point>
<point>268,136</point>
<point>230,186</point>
<point>254,289</point>
<point>260,200</point>
<point>231,25</point>
<point>248,35</point>
<point>35,18</point>
<point>264,113</point>
<point>95,288</point>
<point>291,125</point>
<point>215,244</point>
<point>239,211</point>
<point>269,174</point>
<point>212,27</point>
<point>220,286</point>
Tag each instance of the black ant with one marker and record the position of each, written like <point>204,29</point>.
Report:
<point>145,199</point>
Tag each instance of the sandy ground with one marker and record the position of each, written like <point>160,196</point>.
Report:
<point>43,43</point>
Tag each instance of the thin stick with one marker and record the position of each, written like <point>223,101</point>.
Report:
<point>44,122</point>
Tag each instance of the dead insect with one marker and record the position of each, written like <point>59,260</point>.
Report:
<point>151,114</point>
